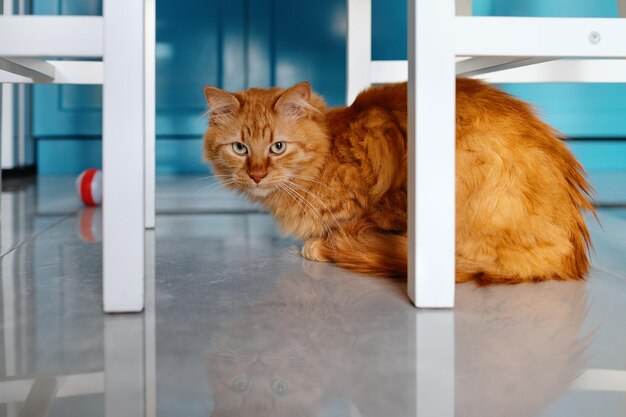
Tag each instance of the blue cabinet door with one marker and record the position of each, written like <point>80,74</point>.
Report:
<point>67,119</point>
<point>232,44</point>
<point>63,110</point>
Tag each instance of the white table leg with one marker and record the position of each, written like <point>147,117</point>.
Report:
<point>431,153</point>
<point>150,111</point>
<point>123,156</point>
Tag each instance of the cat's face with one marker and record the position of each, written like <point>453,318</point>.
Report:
<point>261,139</point>
<point>257,371</point>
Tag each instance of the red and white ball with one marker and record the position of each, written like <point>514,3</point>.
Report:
<point>89,187</point>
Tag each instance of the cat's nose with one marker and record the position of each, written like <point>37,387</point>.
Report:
<point>257,176</point>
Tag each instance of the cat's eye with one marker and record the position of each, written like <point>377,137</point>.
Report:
<point>240,384</point>
<point>278,148</point>
<point>279,387</point>
<point>240,148</point>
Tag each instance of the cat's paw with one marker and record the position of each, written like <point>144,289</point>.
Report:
<point>314,250</point>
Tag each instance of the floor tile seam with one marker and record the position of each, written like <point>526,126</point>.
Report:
<point>209,211</point>
<point>606,271</point>
<point>604,212</point>
<point>36,235</point>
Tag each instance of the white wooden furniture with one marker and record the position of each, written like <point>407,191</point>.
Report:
<point>124,39</point>
<point>442,45</point>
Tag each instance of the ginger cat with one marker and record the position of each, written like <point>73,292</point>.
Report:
<point>337,179</point>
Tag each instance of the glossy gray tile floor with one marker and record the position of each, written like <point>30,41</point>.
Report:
<point>237,324</point>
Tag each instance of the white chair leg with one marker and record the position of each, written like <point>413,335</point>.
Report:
<point>431,185</point>
<point>150,111</point>
<point>123,156</point>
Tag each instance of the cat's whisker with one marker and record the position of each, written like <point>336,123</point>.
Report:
<point>296,346</point>
<point>299,199</point>
<point>327,226</point>
<point>210,177</point>
<point>204,114</point>
<point>329,211</point>
<point>229,351</point>
<point>311,194</point>
<point>214,187</point>
<point>311,179</point>
<point>288,185</point>
<point>286,192</point>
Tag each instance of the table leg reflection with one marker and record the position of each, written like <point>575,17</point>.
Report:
<point>124,366</point>
<point>130,354</point>
<point>435,363</point>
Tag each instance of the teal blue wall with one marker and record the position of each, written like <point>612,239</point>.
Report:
<point>589,111</point>
<point>236,44</point>
<point>578,110</point>
<point>546,8</point>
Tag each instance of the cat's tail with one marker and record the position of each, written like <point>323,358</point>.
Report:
<point>369,250</point>
<point>374,252</point>
<point>483,275</point>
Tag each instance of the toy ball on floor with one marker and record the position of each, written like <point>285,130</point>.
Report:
<point>89,187</point>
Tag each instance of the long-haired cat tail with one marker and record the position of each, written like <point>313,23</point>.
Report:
<point>337,179</point>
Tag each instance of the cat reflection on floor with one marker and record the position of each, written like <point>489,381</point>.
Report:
<point>322,345</point>
<point>311,349</point>
<point>524,347</point>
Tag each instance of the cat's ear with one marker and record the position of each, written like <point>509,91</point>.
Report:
<point>294,102</point>
<point>221,103</point>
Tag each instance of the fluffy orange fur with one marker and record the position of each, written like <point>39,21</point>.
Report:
<point>337,179</point>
